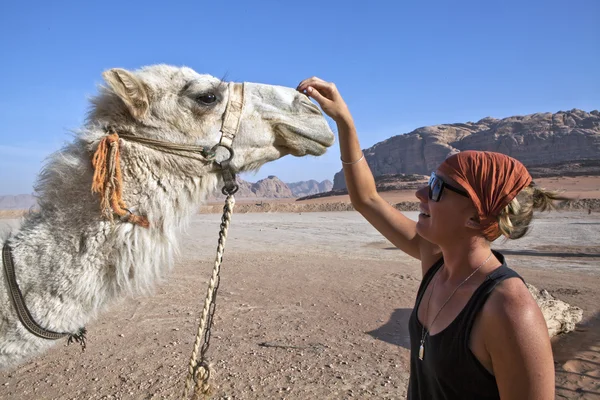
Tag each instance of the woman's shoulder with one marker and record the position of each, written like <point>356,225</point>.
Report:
<point>516,338</point>
<point>511,306</point>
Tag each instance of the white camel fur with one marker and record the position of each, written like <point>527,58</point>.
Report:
<point>70,262</point>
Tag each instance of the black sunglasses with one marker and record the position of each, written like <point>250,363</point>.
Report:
<point>437,186</point>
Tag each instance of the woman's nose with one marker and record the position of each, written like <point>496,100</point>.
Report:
<point>423,194</point>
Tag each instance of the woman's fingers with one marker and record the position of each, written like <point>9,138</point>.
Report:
<point>325,88</point>
<point>327,95</point>
<point>310,82</point>
<point>314,93</point>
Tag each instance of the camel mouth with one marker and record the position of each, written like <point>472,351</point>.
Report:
<point>303,141</point>
<point>314,150</point>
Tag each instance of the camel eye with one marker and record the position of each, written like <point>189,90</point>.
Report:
<point>207,98</point>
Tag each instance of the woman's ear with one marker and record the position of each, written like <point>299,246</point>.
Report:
<point>473,223</point>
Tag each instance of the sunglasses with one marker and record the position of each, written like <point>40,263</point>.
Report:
<point>437,186</point>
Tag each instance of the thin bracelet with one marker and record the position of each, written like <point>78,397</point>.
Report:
<point>354,162</point>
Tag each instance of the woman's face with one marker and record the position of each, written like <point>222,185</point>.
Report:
<point>446,220</point>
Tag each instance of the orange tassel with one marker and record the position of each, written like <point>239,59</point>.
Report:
<point>108,181</point>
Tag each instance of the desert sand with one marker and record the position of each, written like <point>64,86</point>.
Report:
<point>311,306</point>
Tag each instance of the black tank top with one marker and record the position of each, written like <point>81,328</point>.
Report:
<point>449,369</point>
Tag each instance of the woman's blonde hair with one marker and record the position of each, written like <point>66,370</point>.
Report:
<point>515,220</point>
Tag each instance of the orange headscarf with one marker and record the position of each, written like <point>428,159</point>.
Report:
<point>492,180</point>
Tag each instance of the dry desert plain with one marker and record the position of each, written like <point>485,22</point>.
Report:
<point>312,305</point>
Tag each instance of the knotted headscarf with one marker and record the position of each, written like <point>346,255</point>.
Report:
<point>492,181</point>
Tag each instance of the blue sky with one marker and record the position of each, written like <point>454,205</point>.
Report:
<point>399,64</point>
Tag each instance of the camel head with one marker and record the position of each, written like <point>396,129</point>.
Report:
<point>180,106</point>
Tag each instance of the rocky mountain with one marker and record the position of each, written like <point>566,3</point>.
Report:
<point>274,188</point>
<point>268,188</point>
<point>307,188</point>
<point>543,139</point>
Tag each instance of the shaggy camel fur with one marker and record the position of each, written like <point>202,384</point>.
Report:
<point>70,262</point>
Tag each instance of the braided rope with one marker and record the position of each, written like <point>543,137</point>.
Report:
<point>199,370</point>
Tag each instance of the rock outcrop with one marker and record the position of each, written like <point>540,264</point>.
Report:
<point>537,139</point>
<point>560,316</point>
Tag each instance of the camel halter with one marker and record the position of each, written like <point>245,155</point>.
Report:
<point>108,179</point>
<point>108,182</point>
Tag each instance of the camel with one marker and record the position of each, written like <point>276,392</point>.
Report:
<point>74,258</point>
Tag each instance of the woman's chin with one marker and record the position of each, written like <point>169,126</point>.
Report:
<point>424,230</point>
<point>422,227</point>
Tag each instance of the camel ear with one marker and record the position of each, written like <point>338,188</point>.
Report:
<point>130,89</point>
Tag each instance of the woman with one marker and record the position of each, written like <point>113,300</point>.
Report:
<point>476,332</point>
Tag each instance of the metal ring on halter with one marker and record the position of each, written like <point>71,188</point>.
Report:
<point>229,149</point>
<point>230,186</point>
<point>230,189</point>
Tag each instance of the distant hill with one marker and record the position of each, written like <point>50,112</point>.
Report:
<point>307,188</point>
<point>268,188</point>
<point>274,188</point>
<point>383,183</point>
<point>564,143</point>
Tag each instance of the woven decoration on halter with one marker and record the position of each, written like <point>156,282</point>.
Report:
<point>108,181</point>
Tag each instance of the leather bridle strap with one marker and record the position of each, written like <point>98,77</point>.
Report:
<point>230,128</point>
<point>22,310</point>
<point>233,114</point>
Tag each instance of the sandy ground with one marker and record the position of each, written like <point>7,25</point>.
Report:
<point>326,294</point>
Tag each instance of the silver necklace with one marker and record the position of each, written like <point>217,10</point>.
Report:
<point>424,332</point>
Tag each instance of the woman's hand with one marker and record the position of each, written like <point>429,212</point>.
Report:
<point>328,97</point>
